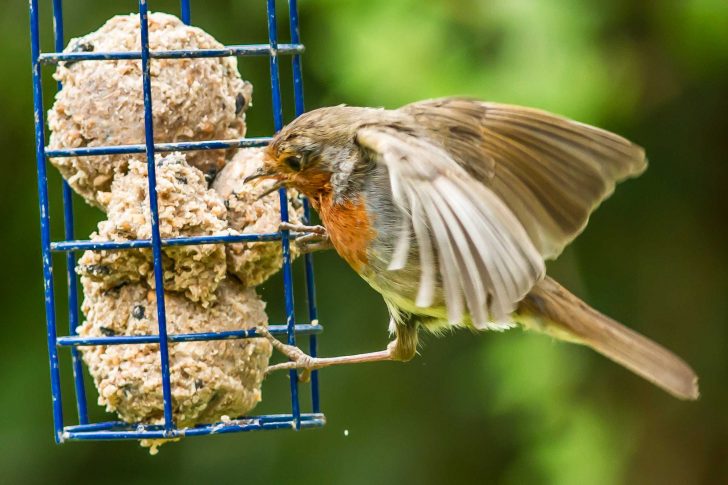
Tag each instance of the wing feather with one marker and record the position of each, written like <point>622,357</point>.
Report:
<point>473,287</point>
<point>426,293</point>
<point>552,172</point>
<point>467,238</point>
<point>448,266</point>
<point>401,250</point>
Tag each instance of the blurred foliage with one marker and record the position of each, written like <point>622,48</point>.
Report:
<point>496,408</point>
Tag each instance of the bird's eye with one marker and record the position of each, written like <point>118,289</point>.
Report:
<point>293,162</point>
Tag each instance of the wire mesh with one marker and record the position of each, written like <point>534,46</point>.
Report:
<point>112,430</point>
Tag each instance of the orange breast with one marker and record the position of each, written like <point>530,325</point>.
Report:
<point>349,228</point>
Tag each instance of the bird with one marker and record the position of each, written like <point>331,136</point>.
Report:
<point>449,209</point>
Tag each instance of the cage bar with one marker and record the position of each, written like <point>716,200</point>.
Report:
<point>75,341</point>
<point>71,277</point>
<point>308,258</point>
<point>158,147</point>
<point>186,12</point>
<point>156,238</point>
<point>285,241</point>
<point>227,51</point>
<point>122,431</point>
<point>178,241</point>
<point>45,229</point>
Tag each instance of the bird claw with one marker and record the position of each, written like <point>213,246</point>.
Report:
<point>315,239</point>
<point>298,359</point>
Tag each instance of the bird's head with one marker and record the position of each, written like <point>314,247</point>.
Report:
<point>313,152</point>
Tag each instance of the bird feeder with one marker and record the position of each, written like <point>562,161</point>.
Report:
<point>161,339</point>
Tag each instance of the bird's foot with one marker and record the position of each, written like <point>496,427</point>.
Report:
<point>298,358</point>
<point>307,364</point>
<point>315,239</point>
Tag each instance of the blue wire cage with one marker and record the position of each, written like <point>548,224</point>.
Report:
<point>112,430</point>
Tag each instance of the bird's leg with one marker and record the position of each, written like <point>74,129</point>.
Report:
<point>396,350</point>
<point>316,239</point>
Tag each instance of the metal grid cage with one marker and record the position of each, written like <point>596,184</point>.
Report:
<point>112,430</point>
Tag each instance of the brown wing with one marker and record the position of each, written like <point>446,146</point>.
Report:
<point>466,236</point>
<point>550,171</point>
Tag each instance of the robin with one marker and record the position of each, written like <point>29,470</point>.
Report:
<point>449,208</point>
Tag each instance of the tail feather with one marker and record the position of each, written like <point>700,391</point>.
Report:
<point>553,310</point>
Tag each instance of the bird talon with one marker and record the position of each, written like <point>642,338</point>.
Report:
<point>298,359</point>
<point>305,363</point>
<point>314,238</point>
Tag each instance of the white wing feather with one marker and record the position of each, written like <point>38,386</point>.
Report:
<point>468,239</point>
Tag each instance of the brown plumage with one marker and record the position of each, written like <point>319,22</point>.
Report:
<point>450,207</point>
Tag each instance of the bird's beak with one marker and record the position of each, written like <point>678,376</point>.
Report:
<point>263,173</point>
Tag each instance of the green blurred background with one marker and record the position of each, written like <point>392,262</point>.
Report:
<point>505,408</point>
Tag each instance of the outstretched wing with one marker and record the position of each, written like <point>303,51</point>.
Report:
<point>550,171</point>
<point>467,237</point>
